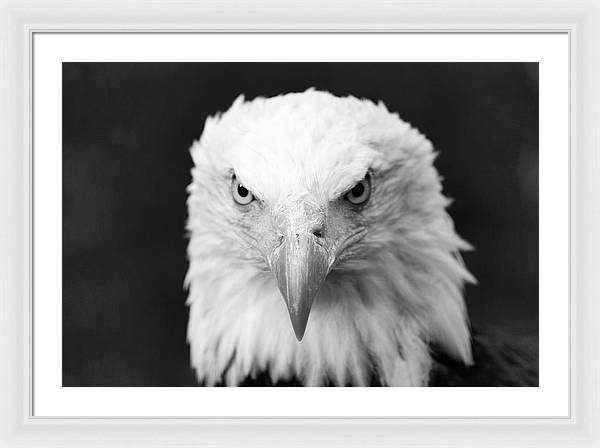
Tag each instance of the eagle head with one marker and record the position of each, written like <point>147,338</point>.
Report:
<point>325,213</point>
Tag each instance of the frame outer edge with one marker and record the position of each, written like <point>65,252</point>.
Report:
<point>587,213</point>
<point>14,259</point>
<point>13,252</point>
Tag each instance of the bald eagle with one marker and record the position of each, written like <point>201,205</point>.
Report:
<point>320,248</point>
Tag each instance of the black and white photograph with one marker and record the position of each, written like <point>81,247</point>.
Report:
<point>259,224</point>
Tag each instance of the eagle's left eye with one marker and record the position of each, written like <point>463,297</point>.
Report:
<point>240,194</point>
<point>361,192</point>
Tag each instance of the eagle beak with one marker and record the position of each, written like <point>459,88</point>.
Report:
<point>300,265</point>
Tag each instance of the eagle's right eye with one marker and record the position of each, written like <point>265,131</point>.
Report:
<point>359,194</point>
<point>240,194</point>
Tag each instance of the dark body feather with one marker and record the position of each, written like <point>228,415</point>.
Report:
<point>499,360</point>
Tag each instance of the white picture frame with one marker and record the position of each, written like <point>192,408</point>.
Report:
<point>19,20</point>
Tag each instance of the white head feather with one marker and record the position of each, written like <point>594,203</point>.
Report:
<point>398,288</point>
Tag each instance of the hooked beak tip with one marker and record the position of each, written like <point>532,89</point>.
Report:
<point>299,335</point>
<point>299,324</point>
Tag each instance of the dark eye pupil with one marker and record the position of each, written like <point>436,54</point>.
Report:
<point>358,190</point>
<point>243,192</point>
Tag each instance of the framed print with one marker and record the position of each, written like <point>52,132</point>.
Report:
<point>300,230</point>
<point>361,247</point>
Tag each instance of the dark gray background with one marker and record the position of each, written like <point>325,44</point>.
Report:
<point>127,128</point>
